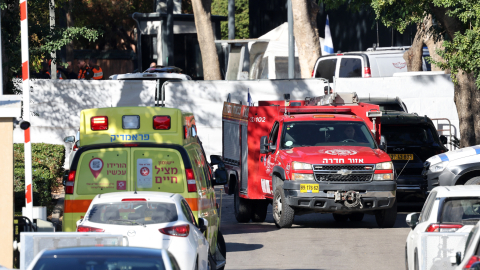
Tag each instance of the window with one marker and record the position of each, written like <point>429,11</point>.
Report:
<point>92,262</point>
<point>274,134</point>
<point>326,69</point>
<point>409,135</point>
<point>461,210</point>
<point>133,213</point>
<point>264,68</point>
<point>427,207</point>
<point>188,213</point>
<point>326,133</point>
<point>350,68</point>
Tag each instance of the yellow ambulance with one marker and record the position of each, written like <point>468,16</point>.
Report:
<point>144,149</point>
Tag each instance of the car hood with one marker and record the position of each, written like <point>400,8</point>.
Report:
<point>457,154</point>
<point>335,155</point>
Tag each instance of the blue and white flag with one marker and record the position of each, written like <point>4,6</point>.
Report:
<point>249,98</point>
<point>328,43</point>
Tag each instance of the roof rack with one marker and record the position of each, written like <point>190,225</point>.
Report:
<point>334,99</point>
<point>163,69</point>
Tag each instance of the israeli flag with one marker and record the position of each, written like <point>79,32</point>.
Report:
<point>249,98</point>
<point>328,43</point>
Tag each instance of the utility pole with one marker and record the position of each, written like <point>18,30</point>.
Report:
<point>291,43</point>
<point>231,19</point>
<point>169,36</point>
<point>53,69</point>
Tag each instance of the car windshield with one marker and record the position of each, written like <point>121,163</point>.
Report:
<point>94,262</point>
<point>409,135</point>
<point>326,133</point>
<point>461,210</point>
<point>133,213</point>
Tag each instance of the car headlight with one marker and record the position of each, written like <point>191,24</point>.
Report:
<point>383,177</point>
<point>302,176</point>
<point>301,166</point>
<point>439,167</point>
<point>384,166</point>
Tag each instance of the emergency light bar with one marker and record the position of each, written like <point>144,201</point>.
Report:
<point>317,110</point>
<point>131,122</point>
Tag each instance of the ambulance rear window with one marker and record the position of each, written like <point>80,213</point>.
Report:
<point>133,213</point>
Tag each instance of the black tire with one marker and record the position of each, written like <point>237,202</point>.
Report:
<point>242,207</point>
<point>356,217</point>
<point>340,218</point>
<point>196,264</point>
<point>386,218</point>
<point>283,214</point>
<point>473,181</point>
<point>221,247</point>
<point>259,210</point>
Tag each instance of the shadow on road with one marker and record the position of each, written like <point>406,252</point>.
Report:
<point>235,247</point>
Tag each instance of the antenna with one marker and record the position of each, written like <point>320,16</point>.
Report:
<point>136,183</point>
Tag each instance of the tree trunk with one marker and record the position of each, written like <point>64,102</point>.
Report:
<point>306,34</point>
<point>206,39</point>
<point>467,103</point>
<point>413,56</point>
<point>70,55</point>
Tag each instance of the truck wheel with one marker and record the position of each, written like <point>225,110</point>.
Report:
<point>259,210</point>
<point>242,207</point>
<point>386,218</point>
<point>340,218</point>
<point>283,214</point>
<point>473,181</point>
<point>356,217</point>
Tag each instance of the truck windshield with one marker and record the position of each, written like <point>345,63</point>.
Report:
<point>326,133</point>
<point>410,135</point>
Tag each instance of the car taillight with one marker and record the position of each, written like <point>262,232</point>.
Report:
<point>99,123</point>
<point>70,183</point>
<point>134,200</point>
<point>75,147</point>
<point>474,259</point>
<point>161,122</point>
<point>191,183</point>
<point>313,73</point>
<point>443,227</point>
<point>88,229</point>
<point>368,72</point>
<point>181,231</point>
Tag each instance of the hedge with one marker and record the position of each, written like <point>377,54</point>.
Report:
<point>47,170</point>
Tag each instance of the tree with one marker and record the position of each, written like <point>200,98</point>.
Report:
<point>458,22</point>
<point>242,19</point>
<point>206,40</point>
<point>306,34</point>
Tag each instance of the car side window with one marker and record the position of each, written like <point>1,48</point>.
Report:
<point>274,134</point>
<point>188,213</point>
<point>350,68</point>
<point>326,69</point>
<point>427,207</point>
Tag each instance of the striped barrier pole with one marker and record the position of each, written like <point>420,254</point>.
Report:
<point>26,109</point>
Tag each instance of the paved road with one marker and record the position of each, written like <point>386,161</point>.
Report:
<point>315,241</point>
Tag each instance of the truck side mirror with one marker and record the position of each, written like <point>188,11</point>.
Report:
<point>220,177</point>
<point>412,220</point>
<point>216,160</point>
<point>458,258</point>
<point>263,145</point>
<point>443,139</point>
<point>272,147</point>
<point>383,143</point>
<point>202,224</point>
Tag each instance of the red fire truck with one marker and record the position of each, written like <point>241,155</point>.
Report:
<point>323,154</point>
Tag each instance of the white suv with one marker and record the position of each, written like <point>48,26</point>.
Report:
<point>371,63</point>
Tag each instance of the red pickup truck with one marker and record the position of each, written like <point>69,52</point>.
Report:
<point>323,154</point>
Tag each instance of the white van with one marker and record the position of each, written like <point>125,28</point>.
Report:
<point>371,63</point>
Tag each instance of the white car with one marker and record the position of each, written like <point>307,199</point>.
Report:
<point>151,219</point>
<point>471,253</point>
<point>448,210</point>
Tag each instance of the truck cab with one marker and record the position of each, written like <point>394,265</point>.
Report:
<point>322,154</point>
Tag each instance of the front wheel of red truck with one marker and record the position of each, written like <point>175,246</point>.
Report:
<point>283,214</point>
<point>242,207</point>
<point>386,218</point>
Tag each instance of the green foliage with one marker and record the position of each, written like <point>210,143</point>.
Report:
<point>242,19</point>
<point>47,170</point>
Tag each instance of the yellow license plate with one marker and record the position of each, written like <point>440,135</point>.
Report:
<point>401,156</point>
<point>309,188</point>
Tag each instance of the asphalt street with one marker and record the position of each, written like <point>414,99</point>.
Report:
<point>315,241</point>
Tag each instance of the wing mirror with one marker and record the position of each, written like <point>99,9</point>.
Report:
<point>383,144</point>
<point>412,220</point>
<point>443,139</point>
<point>69,139</point>
<point>220,173</point>
<point>263,145</point>
<point>202,224</point>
